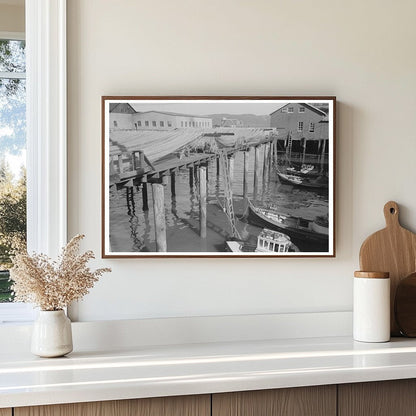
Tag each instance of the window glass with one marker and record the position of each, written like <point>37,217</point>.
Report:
<point>12,156</point>
<point>12,56</point>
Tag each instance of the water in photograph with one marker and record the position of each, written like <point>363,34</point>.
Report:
<point>133,230</point>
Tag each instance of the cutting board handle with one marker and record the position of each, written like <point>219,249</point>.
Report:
<point>391,214</point>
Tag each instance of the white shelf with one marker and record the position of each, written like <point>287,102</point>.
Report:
<point>150,371</point>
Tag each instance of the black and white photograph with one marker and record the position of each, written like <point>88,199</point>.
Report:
<point>218,176</point>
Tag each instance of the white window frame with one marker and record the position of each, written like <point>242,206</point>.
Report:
<point>46,135</point>
<point>300,126</point>
<point>301,109</point>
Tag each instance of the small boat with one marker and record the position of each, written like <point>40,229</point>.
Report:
<point>320,182</point>
<point>303,232</point>
<point>268,241</point>
<point>305,170</point>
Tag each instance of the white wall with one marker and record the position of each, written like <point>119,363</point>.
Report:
<point>361,51</point>
<point>12,18</point>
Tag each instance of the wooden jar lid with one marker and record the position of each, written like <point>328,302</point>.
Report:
<point>372,275</point>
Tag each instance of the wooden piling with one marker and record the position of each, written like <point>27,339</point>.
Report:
<point>270,157</point>
<point>120,163</point>
<point>159,214</point>
<point>323,155</point>
<point>276,155</point>
<point>203,202</point>
<point>144,197</point>
<point>265,165</point>
<point>141,159</point>
<point>173,184</point>
<point>196,171</point>
<point>191,177</point>
<point>133,205</point>
<point>218,166</point>
<point>257,169</point>
<point>245,177</point>
<point>304,152</point>
<point>128,201</point>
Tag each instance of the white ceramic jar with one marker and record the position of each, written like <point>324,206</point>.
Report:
<point>52,334</point>
<point>371,322</point>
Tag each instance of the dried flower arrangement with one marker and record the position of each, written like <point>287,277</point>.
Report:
<point>53,285</point>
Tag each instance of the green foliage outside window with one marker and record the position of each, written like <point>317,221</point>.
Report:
<point>12,147</point>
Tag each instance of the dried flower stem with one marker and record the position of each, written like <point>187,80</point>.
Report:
<point>53,285</point>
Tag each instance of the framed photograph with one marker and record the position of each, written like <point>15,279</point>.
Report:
<point>218,177</point>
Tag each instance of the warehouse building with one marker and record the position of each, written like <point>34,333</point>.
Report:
<point>306,125</point>
<point>123,116</point>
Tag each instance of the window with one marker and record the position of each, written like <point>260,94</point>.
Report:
<point>169,124</point>
<point>146,123</point>
<point>186,124</point>
<point>284,110</point>
<point>12,155</point>
<point>301,109</point>
<point>311,127</point>
<point>115,123</point>
<point>300,126</point>
<point>154,123</point>
<point>162,124</point>
<point>290,110</point>
<point>139,123</point>
<point>45,136</point>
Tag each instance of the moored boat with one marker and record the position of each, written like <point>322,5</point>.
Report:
<point>303,232</point>
<point>304,170</point>
<point>268,242</point>
<point>320,182</point>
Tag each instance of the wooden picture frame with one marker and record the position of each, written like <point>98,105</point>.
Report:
<point>202,176</point>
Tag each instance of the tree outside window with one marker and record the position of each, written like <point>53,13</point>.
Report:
<point>12,156</point>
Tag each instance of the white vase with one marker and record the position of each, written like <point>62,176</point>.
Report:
<point>52,334</point>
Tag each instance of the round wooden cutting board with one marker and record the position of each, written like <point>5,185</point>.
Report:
<point>405,306</point>
<point>392,250</point>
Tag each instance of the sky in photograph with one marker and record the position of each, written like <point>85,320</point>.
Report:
<point>201,108</point>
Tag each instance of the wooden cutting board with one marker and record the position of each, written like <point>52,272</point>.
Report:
<point>393,250</point>
<point>405,306</point>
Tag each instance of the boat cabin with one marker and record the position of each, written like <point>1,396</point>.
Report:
<point>272,241</point>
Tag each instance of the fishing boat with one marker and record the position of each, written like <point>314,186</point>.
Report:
<point>268,242</point>
<point>320,182</point>
<point>305,170</point>
<point>303,232</point>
